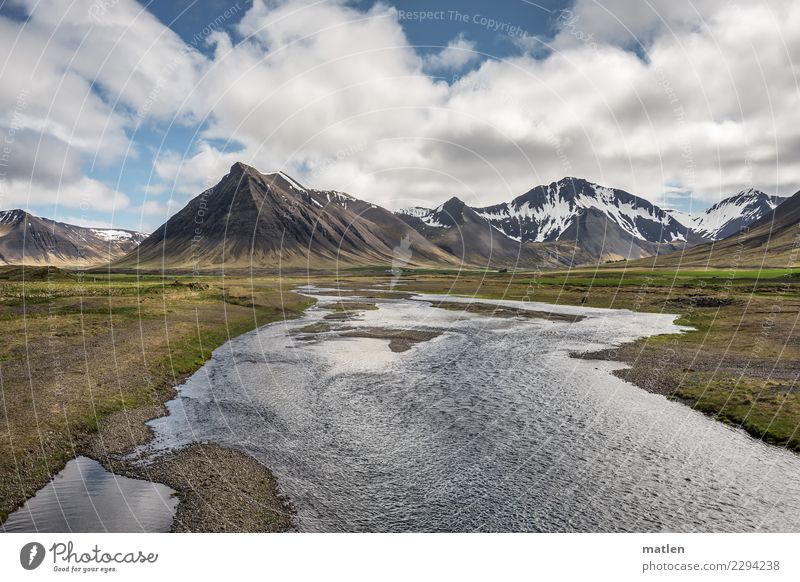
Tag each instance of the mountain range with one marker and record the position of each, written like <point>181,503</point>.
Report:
<point>773,240</point>
<point>731,215</point>
<point>606,223</point>
<point>32,240</point>
<point>252,219</point>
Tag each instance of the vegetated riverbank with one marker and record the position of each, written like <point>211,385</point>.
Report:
<point>740,364</point>
<point>87,359</point>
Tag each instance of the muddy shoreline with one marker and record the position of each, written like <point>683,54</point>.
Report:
<point>660,368</point>
<point>220,489</point>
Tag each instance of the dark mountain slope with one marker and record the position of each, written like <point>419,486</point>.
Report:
<point>250,219</point>
<point>30,240</point>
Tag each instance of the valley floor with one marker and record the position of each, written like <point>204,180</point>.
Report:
<point>86,359</point>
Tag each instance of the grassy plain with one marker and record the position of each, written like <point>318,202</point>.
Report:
<point>79,349</point>
<point>84,356</point>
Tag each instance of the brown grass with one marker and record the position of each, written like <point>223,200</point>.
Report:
<point>73,352</point>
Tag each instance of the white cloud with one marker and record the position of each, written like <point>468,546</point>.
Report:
<point>458,53</point>
<point>86,194</point>
<point>76,83</point>
<point>336,96</point>
<point>710,109</point>
<point>636,24</point>
<point>190,175</point>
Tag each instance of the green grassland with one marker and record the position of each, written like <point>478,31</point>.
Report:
<point>78,348</point>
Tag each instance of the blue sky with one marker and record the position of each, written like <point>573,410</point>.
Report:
<point>481,100</point>
<point>472,18</point>
<point>189,19</point>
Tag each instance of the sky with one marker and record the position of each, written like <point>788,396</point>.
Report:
<point>117,112</point>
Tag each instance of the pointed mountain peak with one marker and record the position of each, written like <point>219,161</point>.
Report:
<point>13,216</point>
<point>570,188</point>
<point>731,215</point>
<point>572,180</point>
<point>453,202</point>
<point>748,194</point>
<point>280,179</point>
<point>451,213</point>
<point>240,168</point>
<point>574,183</point>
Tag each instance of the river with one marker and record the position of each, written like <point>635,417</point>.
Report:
<point>490,426</point>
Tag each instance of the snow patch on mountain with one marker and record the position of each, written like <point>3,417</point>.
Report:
<point>339,198</point>
<point>731,215</point>
<point>429,216</point>
<point>545,213</point>
<point>114,235</point>
<point>415,211</point>
<point>292,182</point>
<point>11,216</point>
<point>685,218</point>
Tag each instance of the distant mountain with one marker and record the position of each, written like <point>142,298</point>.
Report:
<point>252,219</point>
<point>460,231</point>
<point>604,223</point>
<point>31,240</point>
<point>730,215</point>
<point>771,241</point>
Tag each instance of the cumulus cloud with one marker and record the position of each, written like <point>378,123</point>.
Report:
<point>85,193</point>
<point>76,83</point>
<point>458,53</point>
<point>660,99</point>
<point>707,106</point>
<point>634,24</point>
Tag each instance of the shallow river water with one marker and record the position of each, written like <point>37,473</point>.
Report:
<point>84,497</point>
<point>490,426</point>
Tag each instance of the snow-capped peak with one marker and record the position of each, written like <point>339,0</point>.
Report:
<point>729,216</point>
<point>545,213</point>
<point>445,215</point>
<point>12,216</point>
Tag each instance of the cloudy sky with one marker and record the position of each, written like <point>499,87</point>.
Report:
<point>117,112</point>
